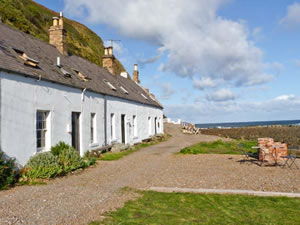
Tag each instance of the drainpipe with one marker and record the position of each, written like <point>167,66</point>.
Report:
<point>0,112</point>
<point>82,99</point>
<point>105,120</point>
<point>81,121</point>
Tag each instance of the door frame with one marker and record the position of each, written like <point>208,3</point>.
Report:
<point>76,144</point>
<point>155,125</point>
<point>123,129</point>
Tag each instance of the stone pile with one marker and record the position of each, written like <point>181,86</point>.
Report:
<point>270,150</point>
<point>188,128</point>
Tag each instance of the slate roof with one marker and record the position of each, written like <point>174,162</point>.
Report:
<point>47,54</point>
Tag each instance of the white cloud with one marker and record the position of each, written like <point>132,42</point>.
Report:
<point>285,97</point>
<point>281,107</point>
<point>292,17</point>
<point>204,82</point>
<point>221,95</point>
<point>197,42</point>
<point>167,91</point>
<point>143,62</point>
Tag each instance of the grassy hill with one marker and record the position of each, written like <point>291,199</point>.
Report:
<point>35,19</point>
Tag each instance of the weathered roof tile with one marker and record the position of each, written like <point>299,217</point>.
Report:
<point>47,54</point>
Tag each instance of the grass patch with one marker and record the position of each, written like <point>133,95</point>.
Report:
<point>187,208</point>
<point>117,155</point>
<point>219,147</point>
<point>110,156</point>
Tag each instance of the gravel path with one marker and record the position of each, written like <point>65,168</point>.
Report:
<point>78,199</point>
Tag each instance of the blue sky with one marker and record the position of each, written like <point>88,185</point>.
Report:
<point>206,61</point>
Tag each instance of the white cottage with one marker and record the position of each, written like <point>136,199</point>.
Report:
<point>47,96</point>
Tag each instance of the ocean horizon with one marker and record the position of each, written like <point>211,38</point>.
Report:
<point>249,124</point>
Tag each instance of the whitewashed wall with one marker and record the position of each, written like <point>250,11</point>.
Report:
<point>21,97</point>
<point>142,112</point>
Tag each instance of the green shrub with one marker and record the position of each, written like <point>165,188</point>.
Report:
<point>57,149</point>
<point>7,171</point>
<point>70,160</point>
<point>62,159</point>
<point>43,165</point>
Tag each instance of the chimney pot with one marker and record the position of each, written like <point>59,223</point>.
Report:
<point>108,59</point>
<point>136,74</point>
<point>110,50</point>
<point>61,19</point>
<point>57,34</point>
<point>105,51</point>
<point>55,21</point>
<point>58,61</point>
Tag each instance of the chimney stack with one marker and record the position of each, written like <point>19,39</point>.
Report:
<point>136,74</point>
<point>108,59</point>
<point>57,34</point>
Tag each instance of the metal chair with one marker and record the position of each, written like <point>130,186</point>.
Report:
<point>291,157</point>
<point>246,155</point>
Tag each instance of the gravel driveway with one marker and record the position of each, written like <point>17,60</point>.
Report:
<point>78,199</point>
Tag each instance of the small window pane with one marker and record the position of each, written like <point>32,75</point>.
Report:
<point>41,128</point>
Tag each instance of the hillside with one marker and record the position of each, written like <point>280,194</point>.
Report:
<point>35,19</point>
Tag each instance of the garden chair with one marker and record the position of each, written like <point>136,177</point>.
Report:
<point>245,154</point>
<point>291,157</point>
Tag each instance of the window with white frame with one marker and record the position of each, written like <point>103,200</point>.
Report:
<point>93,128</point>
<point>134,124</point>
<point>41,129</point>
<point>149,125</point>
<point>112,126</point>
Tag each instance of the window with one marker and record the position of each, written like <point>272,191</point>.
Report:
<point>93,128</point>
<point>134,126</point>
<point>149,125</point>
<point>112,126</point>
<point>41,129</point>
<point>82,76</point>
<point>124,90</point>
<point>110,85</point>
<point>144,96</point>
<point>65,73</point>
<point>27,60</point>
<point>152,97</point>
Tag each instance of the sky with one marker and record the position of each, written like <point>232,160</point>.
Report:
<point>207,61</point>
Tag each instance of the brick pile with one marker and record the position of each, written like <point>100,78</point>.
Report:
<point>270,150</point>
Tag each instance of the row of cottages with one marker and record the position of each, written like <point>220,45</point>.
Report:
<point>47,96</point>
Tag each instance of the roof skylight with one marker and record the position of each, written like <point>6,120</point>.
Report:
<point>151,96</point>
<point>124,90</point>
<point>27,60</point>
<point>82,76</point>
<point>144,96</point>
<point>110,85</point>
<point>66,73</point>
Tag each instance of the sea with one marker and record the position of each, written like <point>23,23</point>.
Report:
<point>249,124</point>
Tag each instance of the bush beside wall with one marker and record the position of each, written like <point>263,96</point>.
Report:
<point>61,160</point>
<point>7,171</point>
